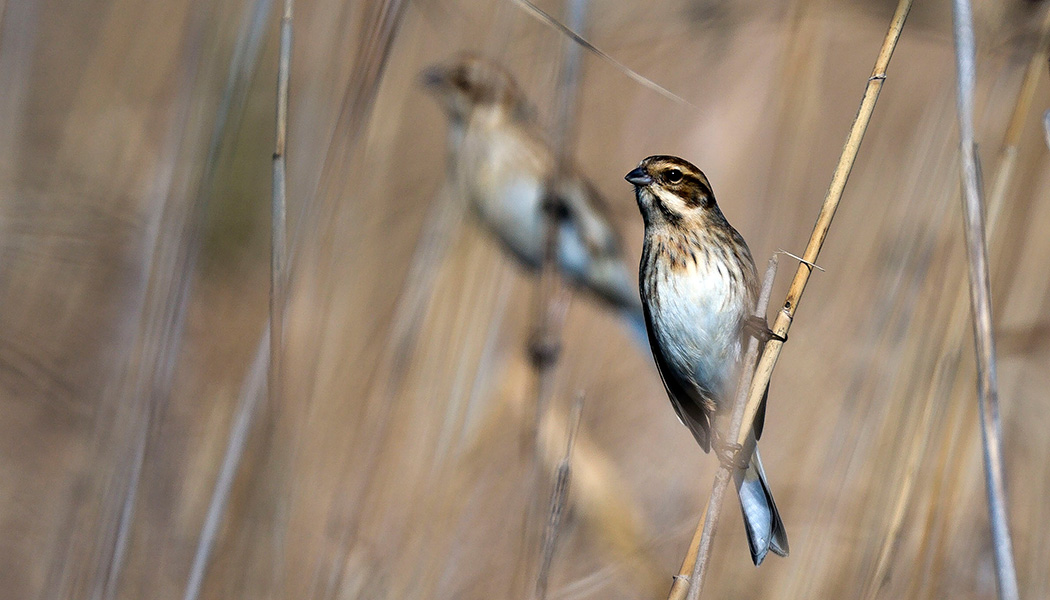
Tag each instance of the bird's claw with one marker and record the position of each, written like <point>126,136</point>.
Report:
<point>730,454</point>
<point>757,327</point>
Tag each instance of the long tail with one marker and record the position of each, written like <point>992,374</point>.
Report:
<point>765,530</point>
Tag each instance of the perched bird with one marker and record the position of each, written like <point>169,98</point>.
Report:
<point>502,163</point>
<point>699,288</point>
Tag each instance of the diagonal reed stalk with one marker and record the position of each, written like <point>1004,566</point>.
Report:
<point>572,32</point>
<point>981,303</point>
<point>786,314</point>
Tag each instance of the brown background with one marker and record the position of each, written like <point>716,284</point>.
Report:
<point>134,236</point>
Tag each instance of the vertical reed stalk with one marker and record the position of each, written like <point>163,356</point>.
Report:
<point>549,310</point>
<point>551,299</point>
<point>980,302</point>
<point>558,500</point>
<point>947,357</point>
<point>279,212</point>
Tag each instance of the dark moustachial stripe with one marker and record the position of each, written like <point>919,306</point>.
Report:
<point>700,193</point>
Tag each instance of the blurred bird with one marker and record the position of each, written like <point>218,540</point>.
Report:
<point>699,289</point>
<point>502,163</point>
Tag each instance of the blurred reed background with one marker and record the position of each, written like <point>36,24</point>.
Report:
<point>134,266</point>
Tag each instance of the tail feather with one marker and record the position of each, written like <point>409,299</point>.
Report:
<point>765,529</point>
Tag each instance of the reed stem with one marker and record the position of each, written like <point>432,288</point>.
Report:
<point>981,303</point>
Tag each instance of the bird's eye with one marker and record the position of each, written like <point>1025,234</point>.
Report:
<point>674,176</point>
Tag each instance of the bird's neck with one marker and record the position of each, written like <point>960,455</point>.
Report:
<point>479,120</point>
<point>686,241</point>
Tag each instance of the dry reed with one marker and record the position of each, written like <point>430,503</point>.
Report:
<point>96,103</point>
<point>279,212</point>
<point>551,297</point>
<point>954,331</point>
<point>558,501</point>
<point>981,303</point>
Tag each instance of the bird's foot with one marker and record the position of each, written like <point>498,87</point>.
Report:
<point>758,328</point>
<point>730,454</point>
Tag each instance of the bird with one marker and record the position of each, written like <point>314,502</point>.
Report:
<point>699,289</point>
<point>501,161</point>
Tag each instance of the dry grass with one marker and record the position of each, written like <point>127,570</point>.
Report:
<point>392,468</point>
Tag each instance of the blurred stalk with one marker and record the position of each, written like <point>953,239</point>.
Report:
<point>173,242</point>
<point>549,309</point>
<point>980,302</point>
<point>279,211</point>
<point>248,400</point>
<point>572,33</point>
<point>242,63</point>
<point>798,111</point>
<point>786,314</point>
<point>444,216</point>
<point>948,356</point>
<point>601,497</point>
<point>558,500</point>
<point>380,27</point>
<point>551,298</point>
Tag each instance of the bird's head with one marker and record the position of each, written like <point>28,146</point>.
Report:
<point>468,83</point>
<point>671,190</point>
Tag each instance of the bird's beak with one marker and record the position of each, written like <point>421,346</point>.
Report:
<point>433,76</point>
<point>639,177</point>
